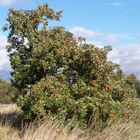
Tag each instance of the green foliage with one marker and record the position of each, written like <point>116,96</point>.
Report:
<point>138,88</point>
<point>57,75</point>
<point>4,88</point>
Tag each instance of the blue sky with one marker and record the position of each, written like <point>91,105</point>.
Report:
<point>101,22</point>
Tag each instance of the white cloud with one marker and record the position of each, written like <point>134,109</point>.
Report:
<point>80,31</point>
<point>116,4</point>
<point>4,59</point>
<point>9,2</point>
<point>128,57</point>
<point>97,36</point>
<point>104,38</point>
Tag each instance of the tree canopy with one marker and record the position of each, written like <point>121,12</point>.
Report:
<point>56,74</point>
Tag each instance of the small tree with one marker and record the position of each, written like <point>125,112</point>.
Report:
<point>58,75</point>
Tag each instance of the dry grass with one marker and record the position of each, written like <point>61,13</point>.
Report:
<point>49,130</point>
<point>8,108</point>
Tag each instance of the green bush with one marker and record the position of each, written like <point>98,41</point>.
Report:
<point>4,89</point>
<point>138,88</point>
<point>60,76</point>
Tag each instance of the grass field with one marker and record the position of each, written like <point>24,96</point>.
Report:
<point>11,129</point>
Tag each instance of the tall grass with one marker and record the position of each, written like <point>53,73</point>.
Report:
<point>49,130</point>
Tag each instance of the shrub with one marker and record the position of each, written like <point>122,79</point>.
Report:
<point>138,88</point>
<point>58,75</point>
<point>4,89</point>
